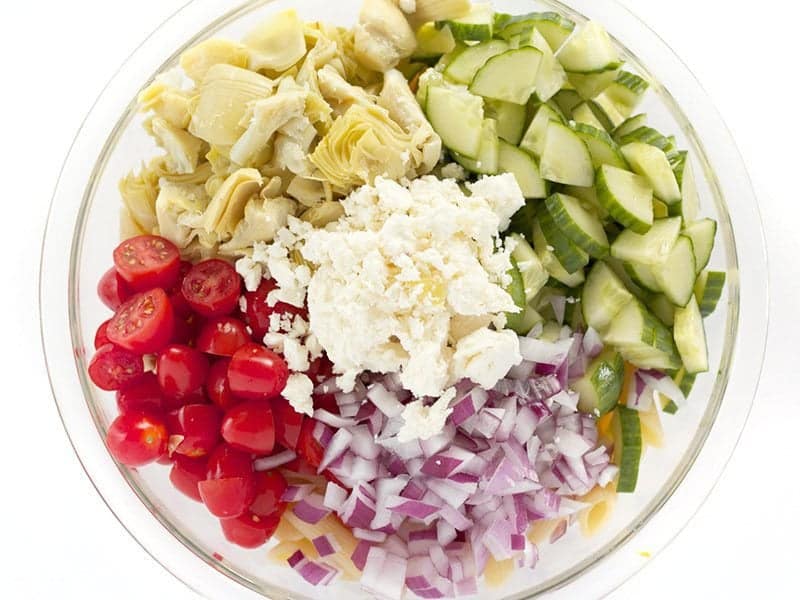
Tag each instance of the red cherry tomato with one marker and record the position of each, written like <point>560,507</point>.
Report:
<point>137,439</point>
<point>186,473</point>
<point>227,498</point>
<point>257,373</point>
<point>212,288</point>
<point>250,530</point>
<point>112,368</point>
<point>308,447</point>
<point>321,368</point>
<point>181,370</point>
<point>196,397</point>
<point>226,461</point>
<point>270,486</point>
<point>326,402</point>
<point>101,337</point>
<point>288,423</point>
<point>257,312</point>
<point>222,336</point>
<point>217,388</point>
<point>112,289</point>
<point>250,427</point>
<point>148,261</point>
<point>143,395</point>
<point>198,426</point>
<point>144,323</point>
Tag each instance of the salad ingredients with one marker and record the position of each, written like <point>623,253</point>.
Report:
<point>144,324</point>
<point>147,261</point>
<point>181,370</point>
<point>222,336</point>
<point>211,288</point>
<point>256,373</point>
<point>136,439</point>
<point>112,289</point>
<point>249,426</point>
<point>112,368</point>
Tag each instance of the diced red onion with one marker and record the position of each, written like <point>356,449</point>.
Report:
<point>524,424</point>
<point>359,556</point>
<point>333,420</point>
<point>559,531</point>
<point>322,433</point>
<point>335,496</point>
<point>311,509</point>
<point>498,539</point>
<point>440,441</point>
<point>411,508</point>
<point>326,545</point>
<point>663,385</point>
<point>592,344</point>
<point>337,446</point>
<point>543,352</point>
<point>454,494</point>
<point>295,493</point>
<point>447,462</point>
<point>273,462</point>
<point>522,371</point>
<point>385,400</point>
<point>468,405</point>
<point>369,535</point>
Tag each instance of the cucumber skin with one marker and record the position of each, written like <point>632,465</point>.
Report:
<point>571,257</point>
<point>561,218</point>
<point>603,380</point>
<point>631,452</point>
<point>516,290</point>
<point>709,292</point>
<point>617,212</point>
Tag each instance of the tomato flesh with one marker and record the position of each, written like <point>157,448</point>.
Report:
<point>136,439</point>
<point>112,289</point>
<point>181,370</point>
<point>196,429</point>
<point>270,486</point>
<point>148,261</point>
<point>257,373</point>
<point>250,427</point>
<point>112,368</point>
<point>258,311</point>
<point>187,473</point>
<point>227,498</point>
<point>217,388</point>
<point>226,461</point>
<point>307,446</point>
<point>250,530</point>
<point>212,288</point>
<point>222,336</point>
<point>288,423</point>
<point>101,336</point>
<point>143,395</point>
<point>144,324</point>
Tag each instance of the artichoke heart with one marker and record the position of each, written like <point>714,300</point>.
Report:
<point>308,192</point>
<point>196,61</point>
<point>177,206</point>
<point>139,192</point>
<point>440,10</point>
<point>263,217</point>
<point>183,149</point>
<point>383,35</point>
<point>337,91</point>
<point>170,103</point>
<point>226,208</point>
<point>277,43</point>
<point>319,216</point>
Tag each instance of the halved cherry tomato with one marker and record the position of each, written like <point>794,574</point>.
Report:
<point>143,395</point>
<point>258,311</point>
<point>212,288</point>
<point>217,388</point>
<point>257,373</point>
<point>181,370</point>
<point>288,423</point>
<point>112,368</point>
<point>137,439</point>
<point>250,427</point>
<point>144,323</point>
<point>101,337</point>
<point>186,473</point>
<point>148,261</point>
<point>250,530</point>
<point>307,446</point>
<point>226,461</point>
<point>222,336</point>
<point>226,498</point>
<point>270,486</point>
<point>196,429</point>
<point>112,289</point>
<point>321,368</point>
<point>326,402</point>
<point>196,397</point>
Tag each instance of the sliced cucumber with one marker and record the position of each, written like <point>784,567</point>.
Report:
<point>510,119</point>
<point>582,227</point>
<point>566,158</point>
<point>433,41</point>
<point>550,262</point>
<point>660,210</point>
<point>476,26</point>
<point>463,67</point>
<point>429,78</point>
<point>630,124</point>
<point>651,248</point>
<point>708,290</point>
<point>685,382</point>
<point>626,92</point>
<point>604,295</point>
<point>648,135</point>
<point>642,339</point>
<point>600,386</point>
<point>551,76</point>
<point>488,159</point>
<point>591,85</point>
<point>643,276</point>
<point>606,113</point>
<point>588,197</point>
<point>510,76</point>
<point>516,289</point>
<point>668,405</point>
<point>627,448</point>
<point>627,197</point>
<point>652,163</point>
<point>676,275</point>
<point>534,138</point>
<point>524,168</point>
<point>566,100</point>
<point>662,308</point>
<point>602,148</point>
<point>634,288</point>
<point>689,206</point>
<point>571,256</point>
<point>553,27</point>
<point>584,114</point>
<point>457,116</point>
<point>690,338</point>
<point>589,50</point>
<point>702,234</point>
<point>534,275</point>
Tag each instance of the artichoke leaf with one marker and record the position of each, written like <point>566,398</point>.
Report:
<point>277,43</point>
<point>168,102</point>
<point>383,36</point>
<point>338,92</point>
<point>319,216</point>
<point>183,149</point>
<point>177,205</point>
<point>263,217</point>
<point>308,192</point>
<point>226,208</point>
<point>139,192</point>
<point>196,61</point>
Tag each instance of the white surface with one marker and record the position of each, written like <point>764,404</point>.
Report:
<point>58,539</point>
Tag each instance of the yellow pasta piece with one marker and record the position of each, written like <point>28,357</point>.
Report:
<point>286,532</point>
<point>199,59</point>
<point>652,430</point>
<point>284,550</point>
<point>540,531</point>
<point>497,572</point>
<point>331,526</point>
<point>593,518</point>
<point>277,43</point>
<point>226,208</point>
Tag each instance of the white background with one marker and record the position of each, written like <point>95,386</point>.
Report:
<point>57,539</point>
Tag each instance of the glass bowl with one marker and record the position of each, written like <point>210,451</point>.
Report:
<point>182,536</point>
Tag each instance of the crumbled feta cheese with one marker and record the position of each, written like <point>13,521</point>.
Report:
<point>251,272</point>
<point>423,422</point>
<point>503,194</point>
<point>295,354</point>
<point>243,304</point>
<point>485,356</point>
<point>454,171</point>
<point>298,392</point>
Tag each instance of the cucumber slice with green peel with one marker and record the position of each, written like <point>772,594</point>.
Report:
<point>607,118</point>
<point>634,288</point>
<point>690,338</point>
<point>457,116</point>
<point>510,119</point>
<point>589,50</point>
<point>534,275</point>
<point>516,289</point>
<point>581,227</point>
<point>628,125</point>
<point>643,276</point>
<point>551,76</point>
<point>668,406</point>
<point>591,85</point>
<point>524,168</point>
<point>626,92</point>
<point>429,78</point>
<point>571,256</point>
<point>660,210</point>
<point>708,290</point>
<point>702,234</point>
<point>565,158</point>
<point>555,269</point>
<point>600,385</point>
<point>488,159</point>
<point>501,20</point>
<point>566,100</point>
<point>627,197</point>
<point>510,76</point>
<point>476,26</point>
<point>534,138</point>
<point>602,148</point>
<point>676,275</point>
<point>627,448</point>
<point>585,115</point>
<point>647,135</point>
<point>662,308</point>
<point>588,198</point>
<point>651,248</point>
<point>641,338</point>
<point>553,27</point>
<point>689,206</point>
<point>523,219</point>
<point>603,297</point>
<point>685,382</point>
<point>463,67</point>
<point>652,163</point>
<point>433,41</point>
<point>445,60</point>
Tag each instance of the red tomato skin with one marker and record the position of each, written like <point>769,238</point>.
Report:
<point>112,289</point>
<point>257,312</point>
<point>136,439</point>
<point>226,498</point>
<point>199,425</point>
<point>257,373</point>
<point>217,388</point>
<point>250,427</point>
<point>269,486</point>
<point>309,448</point>
<point>222,336</point>
<point>288,423</point>
<point>226,461</point>
<point>144,324</point>
<point>143,395</point>
<point>196,397</point>
<point>112,368</point>
<point>101,336</point>
<point>186,473</point>
<point>181,370</point>
<point>250,530</point>
<point>148,261</point>
<point>212,288</point>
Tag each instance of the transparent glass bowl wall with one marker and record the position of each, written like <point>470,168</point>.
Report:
<point>184,537</point>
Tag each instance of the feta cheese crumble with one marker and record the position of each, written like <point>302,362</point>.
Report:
<point>424,422</point>
<point>298,392</point>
